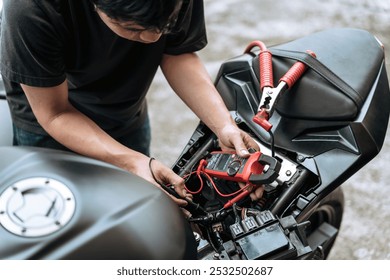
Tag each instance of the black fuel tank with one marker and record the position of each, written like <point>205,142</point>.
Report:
<point>57,205</point>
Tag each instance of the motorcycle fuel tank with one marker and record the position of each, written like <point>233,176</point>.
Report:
<point>57,205</point>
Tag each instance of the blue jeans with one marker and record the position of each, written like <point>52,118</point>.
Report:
<point>138,139</point>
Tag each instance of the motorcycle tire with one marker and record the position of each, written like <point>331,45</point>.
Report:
<point>328,215</point>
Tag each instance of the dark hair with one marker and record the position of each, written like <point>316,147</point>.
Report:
<point>150,14</point>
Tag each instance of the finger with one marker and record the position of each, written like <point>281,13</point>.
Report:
<point>182,191</point>
<point>179,187</point>
<point>239,145</point>
<point>188,196</point>
<point>171,179</point>
<point>179,202</point>
<point>226,148</point>
<point>249,142</point>
<point>257,193</point>
<point>253,197</point>
<point>242,185</point>
<point>243,143</point>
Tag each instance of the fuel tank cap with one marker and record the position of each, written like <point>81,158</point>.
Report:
<point>36,207</point>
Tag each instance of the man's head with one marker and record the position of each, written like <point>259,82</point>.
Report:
<point>139,20</point>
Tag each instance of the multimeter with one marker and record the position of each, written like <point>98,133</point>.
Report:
<point>232,167</point>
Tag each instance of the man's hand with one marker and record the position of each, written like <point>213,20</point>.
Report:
<point>255,192</point>
<point>189,79</point>
<point>159,174</point>
<point>231,138</point>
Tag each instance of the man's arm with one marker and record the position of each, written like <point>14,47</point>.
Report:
<point>191,82</point>
<point>80,134</point>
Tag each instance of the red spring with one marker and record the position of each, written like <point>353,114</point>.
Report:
<point>265,61</point>
<point>266,71</point>
<point>295,72</point>
<point>253,44</point>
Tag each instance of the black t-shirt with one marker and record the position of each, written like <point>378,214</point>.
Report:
<point>45,42</point>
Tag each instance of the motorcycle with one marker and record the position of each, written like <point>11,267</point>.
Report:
<point>323,122</point>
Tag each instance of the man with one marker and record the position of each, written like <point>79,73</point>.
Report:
<point>76,73</point>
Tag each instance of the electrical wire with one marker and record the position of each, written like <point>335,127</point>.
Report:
<point>199,173</point>
<point>272,139</point>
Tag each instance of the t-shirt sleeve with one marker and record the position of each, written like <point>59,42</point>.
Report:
<point>31,45</point>
<point>192,35</point>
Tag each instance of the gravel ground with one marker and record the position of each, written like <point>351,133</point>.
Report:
<point>232,24</point>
